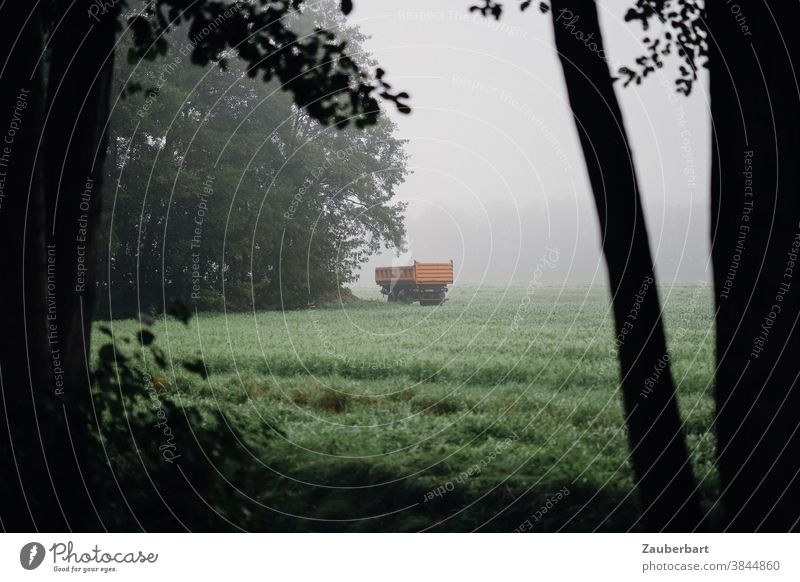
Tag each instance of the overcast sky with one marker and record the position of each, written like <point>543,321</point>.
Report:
<point>498,177</point>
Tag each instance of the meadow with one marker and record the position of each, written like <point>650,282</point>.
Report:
<point>497,411</point>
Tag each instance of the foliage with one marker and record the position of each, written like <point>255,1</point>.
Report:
<point>224,194</point>
<point>681,31</point>
<point>161,451</point>
<point>317,69</point>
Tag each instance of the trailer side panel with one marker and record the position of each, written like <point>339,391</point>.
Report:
<point>387,275</point>
<point>433,273</point>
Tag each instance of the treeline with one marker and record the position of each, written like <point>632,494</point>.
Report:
<point>221,193</point>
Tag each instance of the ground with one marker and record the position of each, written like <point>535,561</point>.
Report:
<point>497,411</point>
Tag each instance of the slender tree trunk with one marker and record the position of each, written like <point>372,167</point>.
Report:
<point>755,245</point>
<point>30,418</point>
<point>658,450</point>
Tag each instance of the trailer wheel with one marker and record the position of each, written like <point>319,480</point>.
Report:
<point>428,302</point>
<point>403,296</point>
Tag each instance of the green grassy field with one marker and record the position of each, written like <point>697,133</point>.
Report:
<point>498,407</point>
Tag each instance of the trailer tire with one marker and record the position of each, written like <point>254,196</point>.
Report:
<point>428,302</point>
<point>403,297</point>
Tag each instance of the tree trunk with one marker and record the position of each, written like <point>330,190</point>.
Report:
<point>76,143</point>
<point>52,168</point>
<point>658,451</point>
<point>30,408</point>
<point>79,91</point>
<point>755,244</point>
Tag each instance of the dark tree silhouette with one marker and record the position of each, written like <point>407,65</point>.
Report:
<point>658,449</point>
<point>752,54</point>
<point>29,407</point>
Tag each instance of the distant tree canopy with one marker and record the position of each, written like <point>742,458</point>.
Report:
<point>219,185</point>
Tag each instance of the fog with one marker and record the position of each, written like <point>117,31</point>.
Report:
<point>498,177</point>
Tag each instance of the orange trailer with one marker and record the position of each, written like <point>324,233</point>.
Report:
<point>423,282</point>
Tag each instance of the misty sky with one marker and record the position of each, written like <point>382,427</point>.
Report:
<point>498,177</point>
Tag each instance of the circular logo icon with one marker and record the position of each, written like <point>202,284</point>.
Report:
<point>31,555</point>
